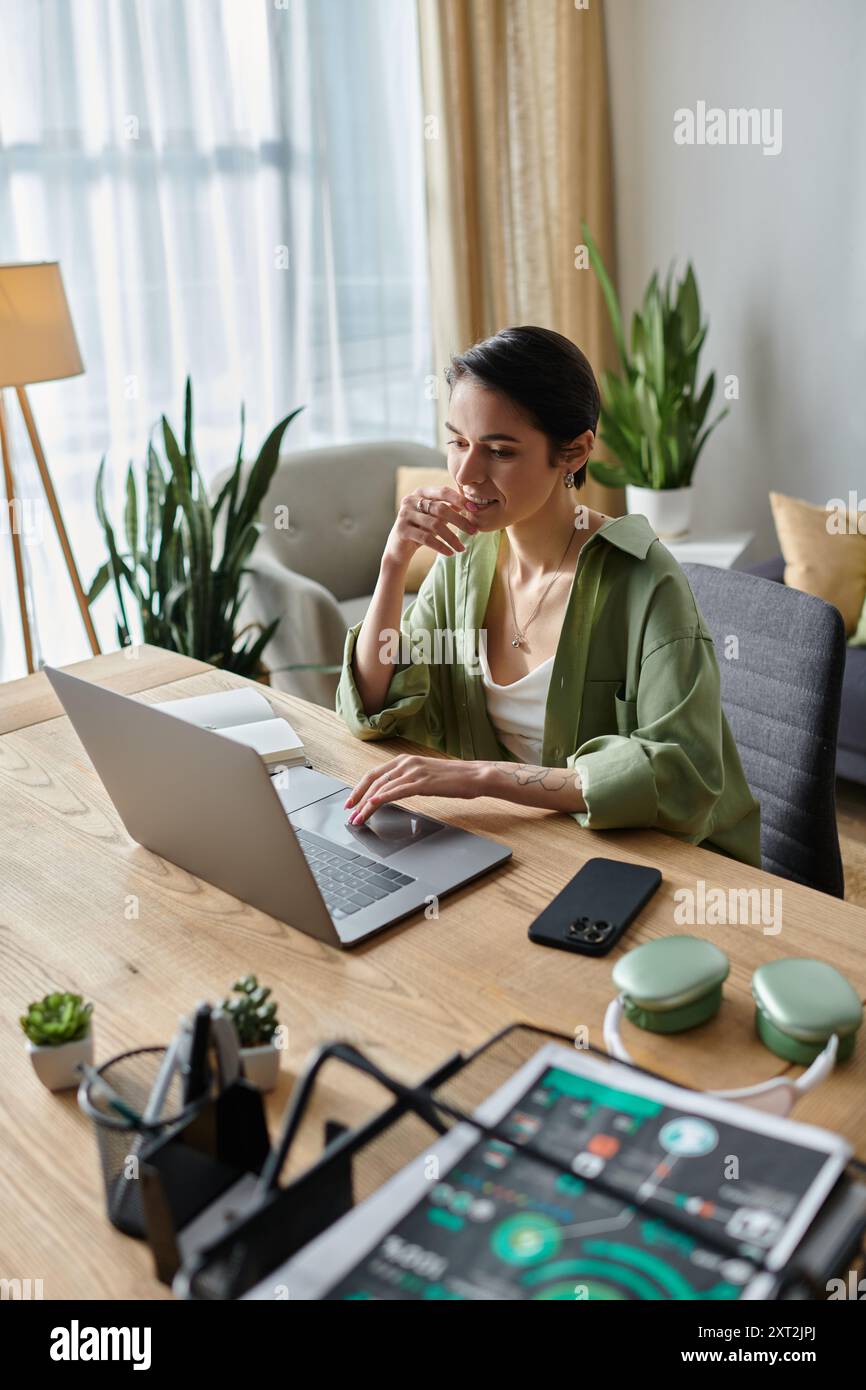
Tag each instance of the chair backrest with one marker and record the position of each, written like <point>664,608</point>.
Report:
<point>340,508</point>
<point>781,689</point>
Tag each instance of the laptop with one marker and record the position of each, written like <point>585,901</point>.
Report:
<point>280,840</point>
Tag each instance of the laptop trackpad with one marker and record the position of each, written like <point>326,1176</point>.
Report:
<point>388,831</point>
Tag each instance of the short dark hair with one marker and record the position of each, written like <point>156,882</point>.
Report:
<point>545,374</point>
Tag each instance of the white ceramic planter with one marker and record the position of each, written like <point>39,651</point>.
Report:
<point>261,1065</point>
<point>668,510</point>
<point>58,1067</point>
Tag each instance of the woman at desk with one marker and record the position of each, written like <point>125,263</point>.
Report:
<point>558,653</point>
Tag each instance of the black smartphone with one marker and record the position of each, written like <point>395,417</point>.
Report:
<point>594,909</point>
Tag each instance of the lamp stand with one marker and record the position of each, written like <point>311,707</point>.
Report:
<point>16,538</point>
<point>57,517</point>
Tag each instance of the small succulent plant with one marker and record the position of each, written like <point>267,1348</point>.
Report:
<point>255,1018</point>
<point>57,1019</point>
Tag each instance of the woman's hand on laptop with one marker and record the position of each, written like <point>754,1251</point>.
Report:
<point>411,774</point>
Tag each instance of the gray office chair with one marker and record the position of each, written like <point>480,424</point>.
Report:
<point>781,696</point>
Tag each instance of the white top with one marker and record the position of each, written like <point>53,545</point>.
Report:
<point>517,711</point>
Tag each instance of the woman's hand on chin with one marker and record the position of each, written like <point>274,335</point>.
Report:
<point>413,775</point>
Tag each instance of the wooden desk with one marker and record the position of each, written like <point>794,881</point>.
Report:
<point>70,881</point>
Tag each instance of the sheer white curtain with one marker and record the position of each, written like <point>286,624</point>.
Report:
<point>234,189</point>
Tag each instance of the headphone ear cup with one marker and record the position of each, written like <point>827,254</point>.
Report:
<point>672,984</point>
<point>678,1020</point>
<point>800,1004</point>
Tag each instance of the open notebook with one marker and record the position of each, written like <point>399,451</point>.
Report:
<point>245,716</point>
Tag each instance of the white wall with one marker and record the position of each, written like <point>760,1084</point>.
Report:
<point>778,243</point>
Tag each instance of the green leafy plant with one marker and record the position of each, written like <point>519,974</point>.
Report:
<point>653,414</point>
<point>184,558</point>
<point>57,1019</point>
<point>254,1017</point>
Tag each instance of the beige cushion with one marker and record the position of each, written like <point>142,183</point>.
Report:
<point>409,480</point>
<point>859,637</point>
<point>817,560</point>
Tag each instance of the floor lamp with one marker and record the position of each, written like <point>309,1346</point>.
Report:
<point>37,343</point>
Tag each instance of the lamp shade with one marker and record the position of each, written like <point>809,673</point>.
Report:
<point>37,339</point>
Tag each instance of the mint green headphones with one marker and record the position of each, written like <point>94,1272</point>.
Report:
<point>805,1011</point>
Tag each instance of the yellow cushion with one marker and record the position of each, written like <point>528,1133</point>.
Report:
<point>859,637</point>
<point>409,480</point>
<point>818,560</point>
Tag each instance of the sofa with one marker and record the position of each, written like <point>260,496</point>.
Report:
<point>326,518</point>
<point>851,748</point>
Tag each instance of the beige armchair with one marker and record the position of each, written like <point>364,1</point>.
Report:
<point>318,572</point>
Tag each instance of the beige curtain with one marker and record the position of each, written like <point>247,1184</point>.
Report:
<point>517,145</point>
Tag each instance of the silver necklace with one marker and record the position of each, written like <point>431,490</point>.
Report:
<point>520,633</point>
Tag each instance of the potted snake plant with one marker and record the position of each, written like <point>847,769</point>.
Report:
<point>653,414</point>
<point>59,1038</point>
<point>178,571</point>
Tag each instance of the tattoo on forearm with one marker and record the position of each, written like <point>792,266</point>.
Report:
<point>553,779</point>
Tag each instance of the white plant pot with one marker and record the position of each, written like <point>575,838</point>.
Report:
<point>261,1065</point>
<point>668,510</point>
<point>58,1067</point>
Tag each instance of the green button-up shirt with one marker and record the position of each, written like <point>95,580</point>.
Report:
<point>634,700</point>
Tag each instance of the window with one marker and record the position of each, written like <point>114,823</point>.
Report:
<point>233,190</point>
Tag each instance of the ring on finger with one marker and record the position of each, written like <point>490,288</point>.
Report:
<point>379,781</point>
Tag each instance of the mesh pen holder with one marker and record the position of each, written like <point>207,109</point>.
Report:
<point>122,1142</point>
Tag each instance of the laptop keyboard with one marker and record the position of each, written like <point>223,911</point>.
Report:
<point>346,880</point>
